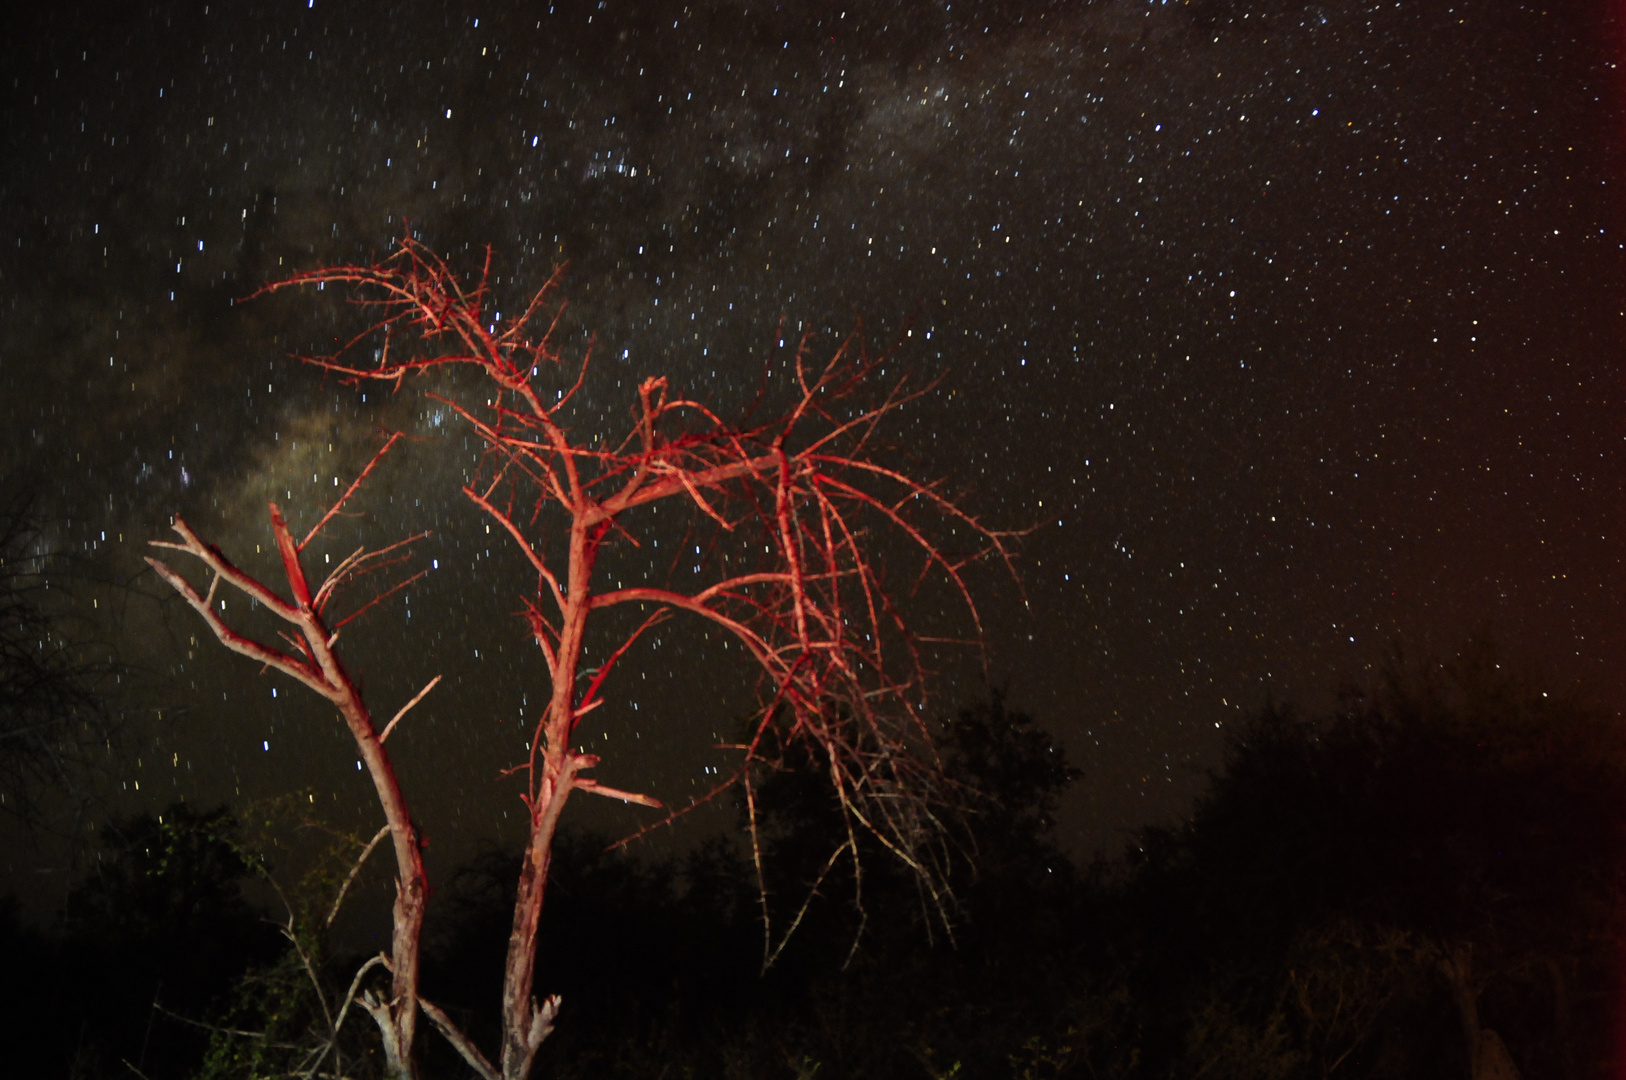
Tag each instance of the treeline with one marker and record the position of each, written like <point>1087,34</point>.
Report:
<point>1427,882</point>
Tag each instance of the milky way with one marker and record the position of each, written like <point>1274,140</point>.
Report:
<point>1293,330</point>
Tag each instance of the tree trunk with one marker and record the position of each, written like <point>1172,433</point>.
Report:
<point>525,1023</point>
<point>411,896</point>
<point>1491,1059</point>
<point>1488,1058</point>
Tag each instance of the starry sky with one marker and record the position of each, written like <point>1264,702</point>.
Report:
<point>1291,330</point>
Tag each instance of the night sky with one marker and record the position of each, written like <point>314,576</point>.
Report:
<point>1293,330</point>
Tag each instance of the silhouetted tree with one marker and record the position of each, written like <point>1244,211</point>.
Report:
<point>58,717</point>
<point>1445,851</point>
<point>879,989</point>
<point>158,928</point>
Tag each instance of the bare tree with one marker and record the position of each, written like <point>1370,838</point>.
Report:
<point>309,654</point>
<point>792,519</point>
<point>58,710</point>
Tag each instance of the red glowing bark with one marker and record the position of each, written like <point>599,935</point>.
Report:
<point>309,655</point>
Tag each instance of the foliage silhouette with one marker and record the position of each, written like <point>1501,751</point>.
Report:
<point>664,957</point>
<point>1455,811</point>
<point>58,718</point>
<point>1425,882</point>
<point>161,919</point>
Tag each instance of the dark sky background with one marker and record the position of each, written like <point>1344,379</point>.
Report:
<point>1295,328</point>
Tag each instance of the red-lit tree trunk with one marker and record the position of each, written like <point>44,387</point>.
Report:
<point>315,662</point>
<point>794,507</point>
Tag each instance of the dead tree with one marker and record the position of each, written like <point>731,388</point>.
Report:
<point>791,513</point>
<point>794,502</point>
<point>309,654</point>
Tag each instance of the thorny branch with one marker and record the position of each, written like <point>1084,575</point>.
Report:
<point>792,520</point>
<point>806,490</point>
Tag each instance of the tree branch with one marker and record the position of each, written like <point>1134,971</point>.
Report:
<point>237,643</point>
<point>396,719</point>
<point>588,784</point>
<point>460,1042</point>
<point>349,491</point>
<point>355,869</point>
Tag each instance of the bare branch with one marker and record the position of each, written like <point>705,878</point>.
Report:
<point>349,491</point>
<point>590,697</point>
<point>769,955</point>
<point>587,784</point>
<point>239,1032</point>
<point>355,869</point>
<point>374,602</point>
<point>234,641</point>
<point>460,1042</point>
<point>349,996</point>
<point>396,719</point>
<point>211,557</point>
<point>290,559</point>
<point>524,544</point>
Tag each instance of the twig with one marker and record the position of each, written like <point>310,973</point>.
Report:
<point>349,491</point>
<point>333,912</point>
<point>215,1028</point>
<point>344,1010</point>
<point>396,719</point>
<point>588,784</point>
<point>460,1042</point>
